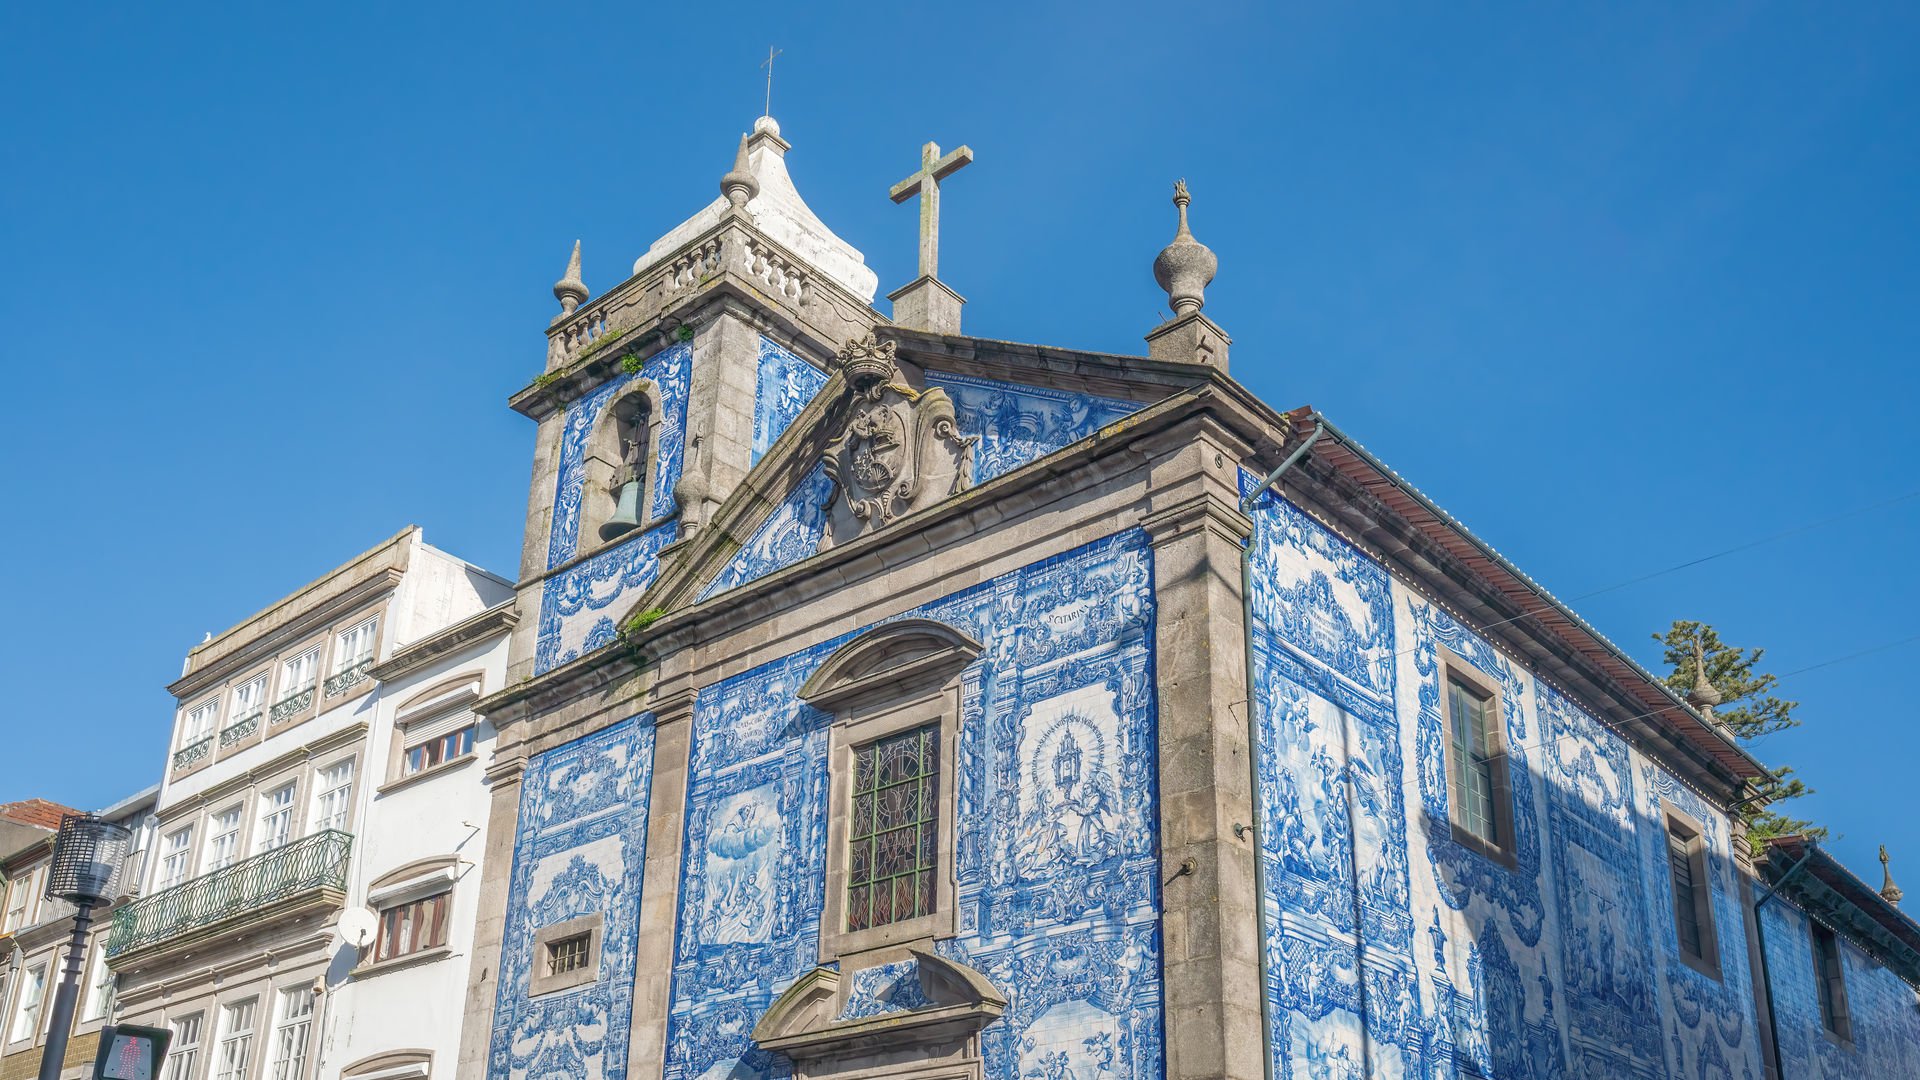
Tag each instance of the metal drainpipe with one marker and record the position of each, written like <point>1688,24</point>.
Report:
<point>1766,976</point>
<point>1253,746</point>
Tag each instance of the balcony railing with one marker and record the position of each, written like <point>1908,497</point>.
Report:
<point>312,862</point>
<point>192,752</point>
<point>291,705</point>
<point>240,729</point>
<point>344,680</point>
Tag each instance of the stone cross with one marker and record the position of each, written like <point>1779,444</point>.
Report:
<point>926,183</point>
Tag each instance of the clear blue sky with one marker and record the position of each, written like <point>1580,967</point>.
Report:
<point>1618,288</point>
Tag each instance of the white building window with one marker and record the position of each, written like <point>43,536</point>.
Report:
<point>176,850</point>
<point>223,839</point>
<point>438,751</point>
<point>99,984</point>
<point>276,819</point>
<point>23,901</point>
<point>26,1010</point>
<point>185,1053</point>
<point>354,645</point>
<point>298,673</point>
<point>291,1034</point>
<point>200,721</point>
<point>249,698</point>
<point>413,927</point>
<point>333,797</point>
<point>236,1041</point>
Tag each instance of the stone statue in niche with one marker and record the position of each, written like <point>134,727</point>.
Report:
<point>899,449</point>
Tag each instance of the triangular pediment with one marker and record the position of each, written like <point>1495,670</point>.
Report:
<point>1013,405</point>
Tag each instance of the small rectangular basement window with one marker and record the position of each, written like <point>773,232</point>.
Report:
<point>567,954</point>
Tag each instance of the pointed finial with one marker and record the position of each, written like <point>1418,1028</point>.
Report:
<point>739,185</point>
<point>1186,266</point>
<point>1888,891</point>
<point>570,290</point>
<point>1703,696</point>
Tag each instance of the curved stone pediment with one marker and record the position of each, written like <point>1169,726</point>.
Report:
<point>926,1000</point>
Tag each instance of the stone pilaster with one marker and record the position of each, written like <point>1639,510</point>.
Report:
<point>719,448</point>
<point>1211,929</point>
<point>496,868</point>
<point>660,890</point>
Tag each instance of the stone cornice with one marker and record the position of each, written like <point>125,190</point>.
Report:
<point>320,611</point>
<point>643,314</point>
<point>498,619</point>
<point>1114,449</point>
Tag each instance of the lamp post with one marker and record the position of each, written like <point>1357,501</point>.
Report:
<point>86,853</point>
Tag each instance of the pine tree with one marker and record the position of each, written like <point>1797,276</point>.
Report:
<point>1750,709</point>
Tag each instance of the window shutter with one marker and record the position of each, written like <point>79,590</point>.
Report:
<point>424,730</point>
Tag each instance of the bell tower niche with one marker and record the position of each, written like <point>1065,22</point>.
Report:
<point>618,478</point>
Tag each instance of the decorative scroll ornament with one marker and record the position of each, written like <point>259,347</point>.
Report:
<point>899,450</point>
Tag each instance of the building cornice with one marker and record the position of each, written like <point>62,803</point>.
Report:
<point>498,619</point>
<point>644,314</point>
<point>352,585</point>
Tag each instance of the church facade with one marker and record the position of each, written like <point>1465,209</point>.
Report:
<point>890,701</point>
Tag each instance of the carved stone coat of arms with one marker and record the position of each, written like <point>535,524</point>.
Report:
<point>899,449</point>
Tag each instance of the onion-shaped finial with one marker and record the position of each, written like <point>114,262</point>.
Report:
<point>1186,266</point>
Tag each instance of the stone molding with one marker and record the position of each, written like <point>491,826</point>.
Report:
<point>500,618</point>
<point>799,1025</point>
<point>301,612</point>
<point>651,308</point>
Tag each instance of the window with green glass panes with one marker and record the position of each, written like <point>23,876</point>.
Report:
<point>895,829</point>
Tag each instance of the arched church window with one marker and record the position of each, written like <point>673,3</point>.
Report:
<point>895,696</point>
<point>615,495</point>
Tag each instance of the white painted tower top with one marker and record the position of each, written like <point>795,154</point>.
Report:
<point>778,211</point>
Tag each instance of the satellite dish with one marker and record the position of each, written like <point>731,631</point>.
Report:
<point>357,926</point>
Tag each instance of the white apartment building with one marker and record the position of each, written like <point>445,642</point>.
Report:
<point>308,864</point>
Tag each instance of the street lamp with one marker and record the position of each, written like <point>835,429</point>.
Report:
<point>86,853</point>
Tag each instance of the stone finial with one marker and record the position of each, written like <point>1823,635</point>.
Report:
<point>570,290</point>
<point>1888,890</point>
<point>739,184</point>
<point>1186,266</point>
<point>1703,696</point>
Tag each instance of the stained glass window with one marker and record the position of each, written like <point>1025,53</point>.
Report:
<point>895,829</point>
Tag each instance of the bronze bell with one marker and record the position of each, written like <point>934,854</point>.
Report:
<point>626,513</point>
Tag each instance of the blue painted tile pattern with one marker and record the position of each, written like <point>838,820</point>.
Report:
<point>580,848</point>
<point>578,605</point>
<point>791,533</point>
<point>784,386</point>
<point>671,371</point>
<point>1015,424</point>
<point>1018,424</point>
<point>1056,887</point>
<point>1395,951</point>
<point>884,988</point>
<point>1886,1023</point>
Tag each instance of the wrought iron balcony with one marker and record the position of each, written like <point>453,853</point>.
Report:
<point>291,705</point>
<point>311,867</point>
<point>240,729</point>
<point>344,680</point>
<point>192,752</point>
